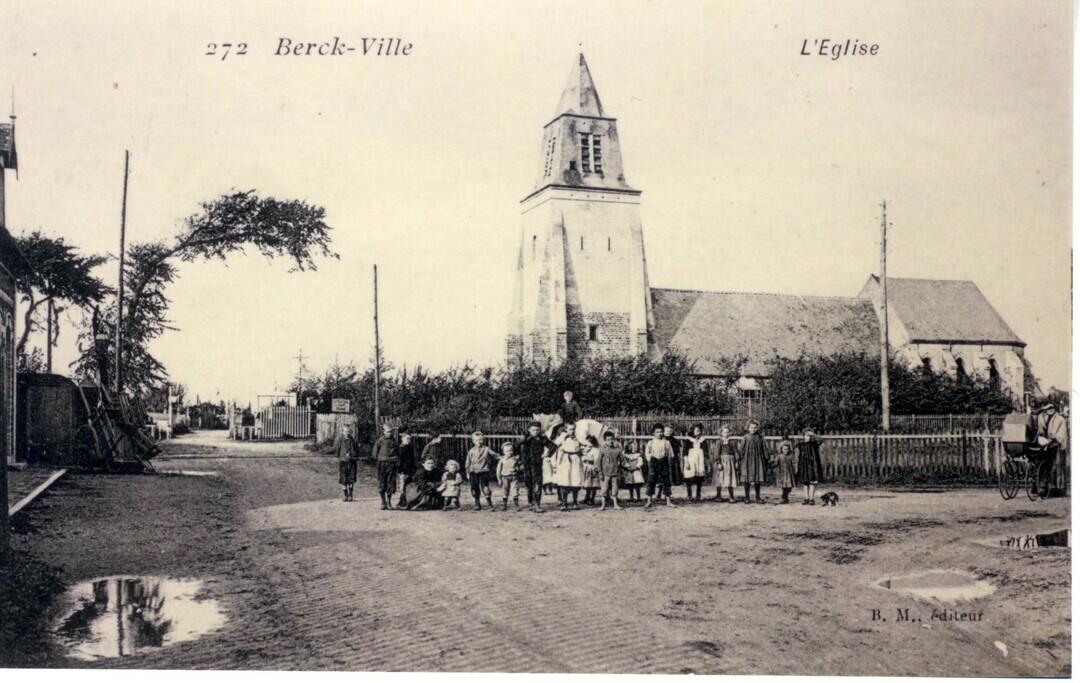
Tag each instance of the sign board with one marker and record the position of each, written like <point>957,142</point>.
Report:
<point>340,405</point>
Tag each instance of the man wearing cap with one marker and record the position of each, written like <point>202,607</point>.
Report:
<point>532,449</point>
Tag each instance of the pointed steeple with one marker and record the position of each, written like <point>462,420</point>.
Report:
<point>580,96</point>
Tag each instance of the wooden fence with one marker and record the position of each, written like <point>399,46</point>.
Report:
<point>860,459</point>
<point>329,425</point>
<point>643,424</point>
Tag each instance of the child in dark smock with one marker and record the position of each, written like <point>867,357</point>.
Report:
<point>755,461</point>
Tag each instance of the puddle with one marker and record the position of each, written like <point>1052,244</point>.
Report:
<point>1053,539</point>
<point>120,616</point>
<point>942,585</point>
<point>190,473</point>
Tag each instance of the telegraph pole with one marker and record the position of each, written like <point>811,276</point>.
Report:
<point>48,329</point>
<point>885,411</point>
<point>378,355</point>
<point>117,372</point>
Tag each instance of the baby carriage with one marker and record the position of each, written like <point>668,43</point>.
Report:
<point>1027,462</point>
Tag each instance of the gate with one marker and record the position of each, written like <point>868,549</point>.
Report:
<point>285,422</point>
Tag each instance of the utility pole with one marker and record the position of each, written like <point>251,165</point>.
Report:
<point>48,328</point>
<point>378,355</point>
<point>885,411</point>
<point>117,372</point>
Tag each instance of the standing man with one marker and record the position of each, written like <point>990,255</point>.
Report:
<point>348,454</point>
<point>569,411</point>
<point>1053,433</point>
<point>386,464</point>
<point>532,450</point>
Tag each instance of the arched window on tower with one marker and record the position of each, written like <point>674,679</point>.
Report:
<point>995,374</point>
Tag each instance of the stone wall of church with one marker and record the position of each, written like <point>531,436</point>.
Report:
<point>613,337</point>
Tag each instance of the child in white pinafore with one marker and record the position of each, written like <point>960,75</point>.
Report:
<point>450,488</point>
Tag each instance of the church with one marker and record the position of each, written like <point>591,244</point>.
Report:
<point>582,290</point>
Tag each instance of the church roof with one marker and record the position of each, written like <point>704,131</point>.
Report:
<point>7,146</point>
<point>580,96</point>
<point>713,326</point>
<point>944,311</point>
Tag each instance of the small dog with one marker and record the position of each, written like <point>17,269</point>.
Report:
<point>830,499</point>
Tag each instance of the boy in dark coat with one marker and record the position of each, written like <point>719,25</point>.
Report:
<point>532,450</point>
<point>348,454</point>
<point>386,465</point>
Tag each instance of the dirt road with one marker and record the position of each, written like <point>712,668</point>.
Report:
<point>310,582</point>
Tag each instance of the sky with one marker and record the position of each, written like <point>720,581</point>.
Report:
<point>761,169</point>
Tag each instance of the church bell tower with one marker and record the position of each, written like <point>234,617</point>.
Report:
<point>581,289</point>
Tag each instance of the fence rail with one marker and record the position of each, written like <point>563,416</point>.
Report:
<point>642,424</point>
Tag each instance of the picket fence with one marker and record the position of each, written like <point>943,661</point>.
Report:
<point>643,424</point>
<point>864,459</point>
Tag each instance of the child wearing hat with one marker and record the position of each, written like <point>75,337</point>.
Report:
<point>479,462</point>
<point>785,470</point>
<point>808,469</point>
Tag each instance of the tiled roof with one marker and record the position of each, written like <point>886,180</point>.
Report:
<point>944,311</point>
<point>721,325</point>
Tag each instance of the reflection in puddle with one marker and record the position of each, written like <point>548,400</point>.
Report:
<point>945,586</point>
<point>190,473</point>
<point>122,615</point>
<point>1054,539</point>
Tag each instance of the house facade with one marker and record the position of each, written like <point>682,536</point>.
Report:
<point>581,287</point>
<point>12,265</point>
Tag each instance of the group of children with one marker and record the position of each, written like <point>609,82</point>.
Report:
<point>566,466</point>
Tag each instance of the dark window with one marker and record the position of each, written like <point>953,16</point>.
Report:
<point>609,244</point>
<point>594,332</point>
<point>534,246</point>
<point>585,152</point>
<point>961,371</point>
<point>927,365</point>
<point>596,154</point>
<point>583,242</point>
<point>995,375</point>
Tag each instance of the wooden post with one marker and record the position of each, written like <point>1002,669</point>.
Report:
<point>885,417</point>
<point>378,358</point>
<point>117,372</point>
